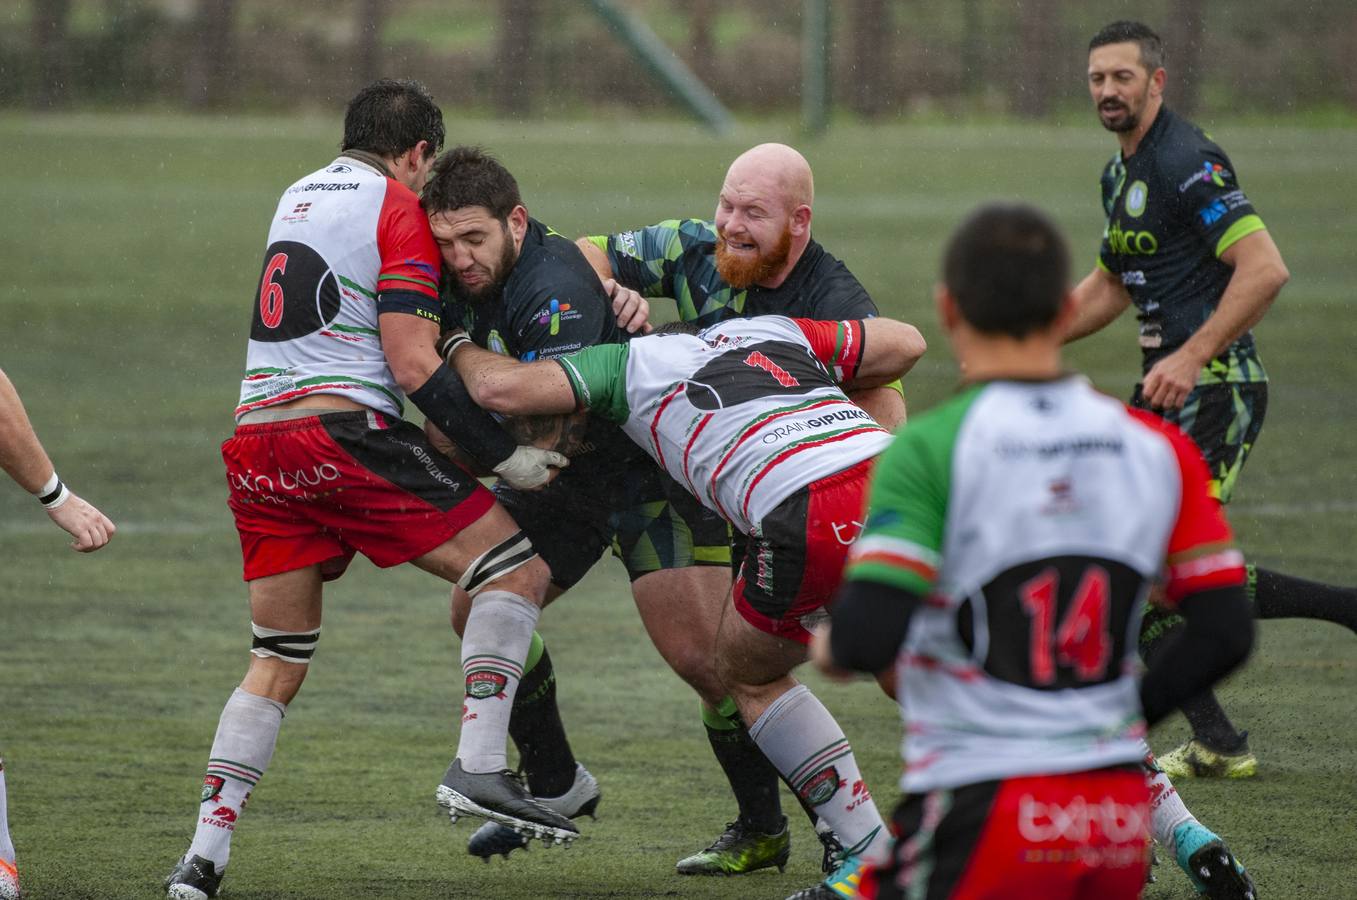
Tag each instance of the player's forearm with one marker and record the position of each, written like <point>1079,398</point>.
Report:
<point>1098,300</point>
<point>21,453</point>
<point>1252,289</point>
<point>506,386</point>
<point>891,349</point>
<point>885,404</point>
<point>597,257</point>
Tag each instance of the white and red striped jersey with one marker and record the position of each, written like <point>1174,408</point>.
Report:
<point>743,414</point>
<point>339,236</point>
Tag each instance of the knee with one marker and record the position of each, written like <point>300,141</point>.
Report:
<point>461,608</point>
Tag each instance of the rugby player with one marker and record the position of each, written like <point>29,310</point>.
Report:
<point>25,461</point>
<point>750,418</point>
<point>756,256</point>
<point>1185,245</point>
<point>1012,535</point>
<point>322,466</point>
<point>521,289</point>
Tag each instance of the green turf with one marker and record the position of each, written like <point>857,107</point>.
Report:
<point>131,247</point>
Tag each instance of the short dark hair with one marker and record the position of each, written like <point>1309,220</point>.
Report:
<point>469,176</point>
<point>1126,32</point>
<point>678,326</point>
<point>389,117</point>
<point>1008,269</point>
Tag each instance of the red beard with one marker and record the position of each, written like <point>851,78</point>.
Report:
<point>740,271</point>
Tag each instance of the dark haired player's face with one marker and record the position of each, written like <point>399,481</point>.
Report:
<point>478,250</point>
<point>1119,85</point>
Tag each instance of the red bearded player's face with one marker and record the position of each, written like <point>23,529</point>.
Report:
<point>753,230</point>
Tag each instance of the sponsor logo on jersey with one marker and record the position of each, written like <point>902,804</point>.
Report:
<point>778,432</point>
<point>1128,242</point>
<point>324,186</point>
<point>212,785</point>
<point>483,685</point>
<point>339,169</point>
<point>821,786</point>
<point>1083,445</point>
<point>1212,172</point>
<point>1133,277</point>
<point>628,242</point>
<point>554,312</point>
<point>298,213</point>
<point>1212,212</point>
<point>1136,195</point>
<point>422,267</point>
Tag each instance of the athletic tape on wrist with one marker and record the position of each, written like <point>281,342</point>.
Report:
<point>54,493</point>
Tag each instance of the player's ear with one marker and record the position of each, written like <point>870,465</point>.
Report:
<point>1157,80</point>
<point>800,220</point>
<point>518,223</point>
<point>948,314</point>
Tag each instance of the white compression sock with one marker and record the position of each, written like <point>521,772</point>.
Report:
<point>494,646</point>
<point>1167,810</point>
<point>6,845</point>
<point>802,740</point>
<point>246,735</point>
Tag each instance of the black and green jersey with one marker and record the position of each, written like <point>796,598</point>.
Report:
<point>1172,209</point>
<point>552,304</point>
<point>677,258</point>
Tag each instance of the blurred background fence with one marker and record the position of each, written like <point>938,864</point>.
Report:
<point>559,59</point>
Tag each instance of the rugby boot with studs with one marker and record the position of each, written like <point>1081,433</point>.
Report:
<point>740,849</point>
<point>581,800</point>
<point>1212,868</point>
<point>1196,760</point>
<point>500,797</point>
<point>193,878</point>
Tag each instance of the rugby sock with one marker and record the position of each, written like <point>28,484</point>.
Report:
<point>535,725</point>
<point>1167,810</point>
<point>753,780</point>
<point>801,738</point>
<point>494,647</point>
<point>1278,596</point>
<point>1210,723</point>
<point>6,845</point>
<point>246,735</point>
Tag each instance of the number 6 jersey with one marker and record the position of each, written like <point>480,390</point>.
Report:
<point>339,236</point>
<point>1033,518</point>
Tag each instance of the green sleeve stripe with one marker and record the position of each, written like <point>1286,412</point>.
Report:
<point>355,286</point>
<point>1245,226</point>
<point>599,240</point>
<point>898,386</point>
<point>421,281</point>
<point>1098,261</point>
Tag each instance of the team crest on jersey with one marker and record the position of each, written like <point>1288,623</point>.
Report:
<point>1136,196</point>
<point>483,685</point>
<point>821,786</point>
<point>211,787</point>
<point>338,169</point>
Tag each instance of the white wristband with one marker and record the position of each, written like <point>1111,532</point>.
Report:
<point>50,487</point>
<point>53,493</point>
<point>61,498</point>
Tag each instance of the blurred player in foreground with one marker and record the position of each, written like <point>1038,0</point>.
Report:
<point>1011,538</point>
<point>24,460</point>
<point>322,466</point>
<point>750,417</point>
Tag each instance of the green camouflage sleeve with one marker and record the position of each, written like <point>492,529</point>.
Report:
<point>643,259</point>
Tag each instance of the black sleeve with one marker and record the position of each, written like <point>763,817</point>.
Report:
<point>1218,637</point>
<point>445,401</point>
<point>412,302</point>
<point>870,620</point>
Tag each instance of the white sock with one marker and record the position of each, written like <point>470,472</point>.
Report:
<point>805,744</point>
<point>6,845</point>
<point>246,735</point>
<point>494,647</point>
<point>1167,810</point>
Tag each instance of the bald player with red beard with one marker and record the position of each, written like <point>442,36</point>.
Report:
<point>756,256</point>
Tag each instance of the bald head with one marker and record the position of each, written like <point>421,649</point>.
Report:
<point>779,170</point>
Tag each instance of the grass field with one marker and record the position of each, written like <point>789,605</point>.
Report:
<point>131,246</point>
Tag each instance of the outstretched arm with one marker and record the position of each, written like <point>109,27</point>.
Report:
<point>23,459</point>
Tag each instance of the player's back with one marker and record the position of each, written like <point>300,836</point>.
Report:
<point>334,235</point>
<point>1058,510</point>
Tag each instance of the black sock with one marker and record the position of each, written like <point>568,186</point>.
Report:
<point>535,725</point>
<point>753,780</point>
<point>1278,596</point>
<point>1210,724</point>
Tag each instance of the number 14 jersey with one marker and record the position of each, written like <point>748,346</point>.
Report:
<point>1033,518</point>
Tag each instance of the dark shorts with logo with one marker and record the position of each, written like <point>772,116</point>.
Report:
<point>648,520</point>
<point>1224,420</point>
<point>317,490</point>
<point>1021,837</point>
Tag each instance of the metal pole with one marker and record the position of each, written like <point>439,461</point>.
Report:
<point>815,89</point>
